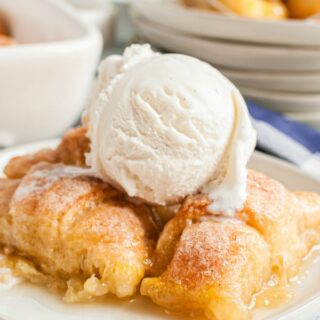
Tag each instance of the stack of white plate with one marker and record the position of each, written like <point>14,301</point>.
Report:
<point>274,63</point>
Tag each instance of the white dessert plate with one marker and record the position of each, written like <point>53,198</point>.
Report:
<point>284,101</point>
<point>29,302</point>
<point>172,14</point>
<point>299,82</point>
<point>229,54</point>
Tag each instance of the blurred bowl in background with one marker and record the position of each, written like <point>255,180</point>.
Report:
<point>210,25</point>
<point>284,101</point>
<point>283,81</point>
<point>230,54</point>
<point>100,13</point>
<point>46,78</point>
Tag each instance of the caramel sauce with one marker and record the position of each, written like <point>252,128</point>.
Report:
<point>273,297</point>
<point>279,291</point>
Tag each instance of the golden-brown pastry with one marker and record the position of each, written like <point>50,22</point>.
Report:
<point>77,230</point>
<point>267,9</point>
<point>288,221</point>
<point>303,8</point>
<point>71,151</point>
<point>213,266</point>
<point>6,40</point>
<point>73,147</point>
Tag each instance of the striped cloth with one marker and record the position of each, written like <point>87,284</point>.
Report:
<point>287,139</point>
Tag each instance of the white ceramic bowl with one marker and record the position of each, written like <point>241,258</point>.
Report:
<point>45,80</point>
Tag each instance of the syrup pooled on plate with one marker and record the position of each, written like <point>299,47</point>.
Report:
<point>279,293</point>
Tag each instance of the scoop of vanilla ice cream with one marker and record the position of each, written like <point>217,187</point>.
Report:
<point>166,126</point>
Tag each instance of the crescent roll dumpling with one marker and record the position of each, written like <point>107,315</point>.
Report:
<point>71,151</point>
<point>212,266</point>
<point>288,221</point>
<point>77,229</point>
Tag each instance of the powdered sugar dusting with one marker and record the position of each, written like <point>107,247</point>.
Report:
<point>221,218</point>
<point>43,176</point>
<point>211,252</point>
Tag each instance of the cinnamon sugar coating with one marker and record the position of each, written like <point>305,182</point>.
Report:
<point>77,230</point>
<point>212,265</point>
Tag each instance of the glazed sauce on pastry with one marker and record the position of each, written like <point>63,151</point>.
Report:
<point>278,292</point>
<point>273,297</point>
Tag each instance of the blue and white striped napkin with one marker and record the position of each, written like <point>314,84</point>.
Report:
<point>287,139</point>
